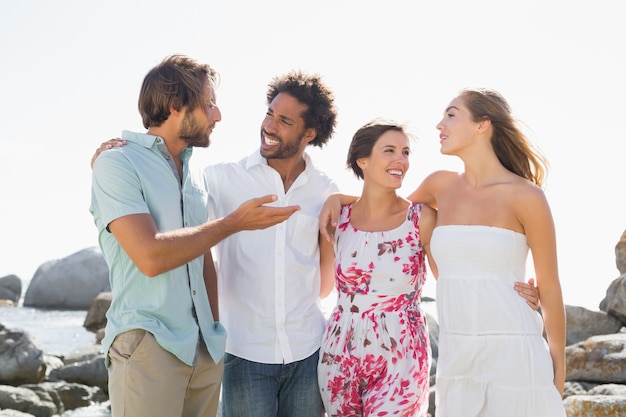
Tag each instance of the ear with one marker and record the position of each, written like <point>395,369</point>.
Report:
<point>310,134</point>
<point>362,163</point>
<point>484,125</point>
<point>176,113</point>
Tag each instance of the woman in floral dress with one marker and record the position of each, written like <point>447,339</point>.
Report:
<point>375,354</point>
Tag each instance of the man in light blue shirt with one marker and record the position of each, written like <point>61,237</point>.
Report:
<point>163,340</point>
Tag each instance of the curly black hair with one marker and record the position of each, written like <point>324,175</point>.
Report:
<point>309,89</point>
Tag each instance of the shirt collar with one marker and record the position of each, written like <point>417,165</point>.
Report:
<point>151,141</point>
<point>255,158</point>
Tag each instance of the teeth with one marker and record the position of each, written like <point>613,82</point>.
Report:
<point>395,172</point>
<point>269,141</point>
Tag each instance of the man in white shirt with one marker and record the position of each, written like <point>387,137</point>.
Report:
<point>270,281</point>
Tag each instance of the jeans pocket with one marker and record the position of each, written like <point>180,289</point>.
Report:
<point>231,361</point>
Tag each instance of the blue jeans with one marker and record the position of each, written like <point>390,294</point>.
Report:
<point>252,389</point>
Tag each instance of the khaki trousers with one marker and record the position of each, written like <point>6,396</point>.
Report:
<point>146,380</point>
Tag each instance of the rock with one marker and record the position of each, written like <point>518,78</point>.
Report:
<point>595,406</point>
<point>96,316</point>
<point>47,395</point>
<point>90,372</point>
<point>14,413</point>
<point>52,362</point>
<point>608,389</point>
<point>21,360</point>
<point>577,388</point>
<point>598,359</point>
<point>99,336</point>
<point>583,323</point>
<point>69,283</point>
<point>614,302</point>
<point>74,395</point>
<point>620,254</point>
<point>82,354</point>
<point>27,401</point>
<point>11,288</point>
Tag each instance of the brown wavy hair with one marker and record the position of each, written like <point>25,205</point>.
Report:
<point>177,81</point>
<point>515,152</point>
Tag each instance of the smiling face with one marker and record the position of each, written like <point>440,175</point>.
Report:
<point>389,160</point>
<point>283,131</point>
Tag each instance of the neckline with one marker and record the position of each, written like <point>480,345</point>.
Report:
<point>406,219</point>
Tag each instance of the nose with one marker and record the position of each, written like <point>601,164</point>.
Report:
<point>439,126</point>
<point>268,124</point>
<point>216,114</point>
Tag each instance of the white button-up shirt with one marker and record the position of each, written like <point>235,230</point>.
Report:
<point>269,280</point>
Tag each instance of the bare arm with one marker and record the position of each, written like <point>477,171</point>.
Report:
<point>155,252</point>
<point>428,220</point>
<point>536,217</point>
<point>210,282</point>
<point>425,192</point>
<point>327,267</point>
<point>330,213</point>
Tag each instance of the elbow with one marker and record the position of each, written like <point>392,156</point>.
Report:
<point>150,268</point>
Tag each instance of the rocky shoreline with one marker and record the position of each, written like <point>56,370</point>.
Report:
<point>36,384</point>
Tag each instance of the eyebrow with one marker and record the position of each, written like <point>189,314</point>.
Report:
<point>280,116</point>
<point>394,147</point>
<point>452,107</point>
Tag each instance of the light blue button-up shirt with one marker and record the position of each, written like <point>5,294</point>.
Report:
<point>138,178</point>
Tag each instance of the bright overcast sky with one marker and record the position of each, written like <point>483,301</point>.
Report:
<point>72,69</point>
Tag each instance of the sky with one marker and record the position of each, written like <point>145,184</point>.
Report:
<point>72,70</point>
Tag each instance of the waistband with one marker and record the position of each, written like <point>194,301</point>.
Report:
<point>374,303</point>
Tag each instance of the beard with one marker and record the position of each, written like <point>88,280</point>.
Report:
<point>191,133</point>
<point>282,150</point>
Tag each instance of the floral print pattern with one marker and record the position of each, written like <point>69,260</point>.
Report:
<point>375,354</point>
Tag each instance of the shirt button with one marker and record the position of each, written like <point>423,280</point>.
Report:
<point>194,292</point>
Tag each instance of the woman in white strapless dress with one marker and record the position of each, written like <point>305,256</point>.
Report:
<point>493,359</point>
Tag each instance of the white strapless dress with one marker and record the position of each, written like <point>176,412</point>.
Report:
<point>493,360</point>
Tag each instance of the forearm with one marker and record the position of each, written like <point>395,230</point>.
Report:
<point>181,246</point>
<point>553,312</point>
<point>343,199</point>
<point>210,282</point>
<point>155,252</point>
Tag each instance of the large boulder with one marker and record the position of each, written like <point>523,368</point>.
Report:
<point>583,323</point>
<point>21,360</point>
<point>69,283</point>
<point>11,288</point>
<point>599,359</point>
<point>91,372</point>
<point>595,405</point>
<point>614,302</point>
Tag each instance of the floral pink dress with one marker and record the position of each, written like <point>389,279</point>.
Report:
<point>375,354</point>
